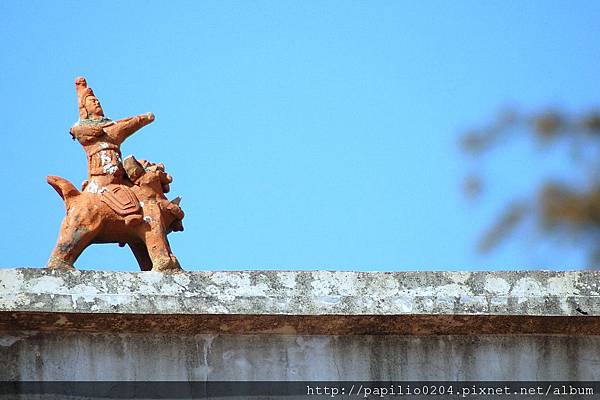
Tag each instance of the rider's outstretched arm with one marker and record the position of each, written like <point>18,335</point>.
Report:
<point>124,128</point>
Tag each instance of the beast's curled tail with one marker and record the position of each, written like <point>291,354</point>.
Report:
<point>64,188</point>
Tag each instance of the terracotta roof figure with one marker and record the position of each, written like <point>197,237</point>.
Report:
<point>117,203</point>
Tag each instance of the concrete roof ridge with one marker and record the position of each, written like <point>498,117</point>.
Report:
<point>302,294</point>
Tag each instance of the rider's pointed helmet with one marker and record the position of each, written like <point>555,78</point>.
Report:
<point>83,91</point>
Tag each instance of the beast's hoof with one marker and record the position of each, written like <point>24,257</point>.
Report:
<point>57,263</point>
<point>166,264</point>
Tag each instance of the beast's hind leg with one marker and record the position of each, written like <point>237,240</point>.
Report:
<point>73,238</point>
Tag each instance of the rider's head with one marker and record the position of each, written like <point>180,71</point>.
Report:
<point>89,106</point>
<point>93,108</point>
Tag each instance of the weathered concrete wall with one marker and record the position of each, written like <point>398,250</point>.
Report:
<point>312,325</point>
<point>102,356</point>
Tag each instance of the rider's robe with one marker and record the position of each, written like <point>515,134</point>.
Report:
<point>101,141</point>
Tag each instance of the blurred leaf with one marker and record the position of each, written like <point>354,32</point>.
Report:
<point>559,206</point>
<point>547,125</point>
<point>472,186</point>
<point>505,225</point>
<point>591,122</point>
<point>472,142</point>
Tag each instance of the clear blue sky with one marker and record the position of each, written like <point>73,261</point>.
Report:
<point>302,135</point>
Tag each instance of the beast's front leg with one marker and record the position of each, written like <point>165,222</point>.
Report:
<point>154,235</point>
<point>163,260</point>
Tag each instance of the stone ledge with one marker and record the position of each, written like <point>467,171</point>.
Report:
<point>318,302</point>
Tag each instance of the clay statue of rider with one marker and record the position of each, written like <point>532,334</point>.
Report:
<point>101,139</point>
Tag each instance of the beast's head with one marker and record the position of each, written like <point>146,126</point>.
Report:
<point>152,176</point>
